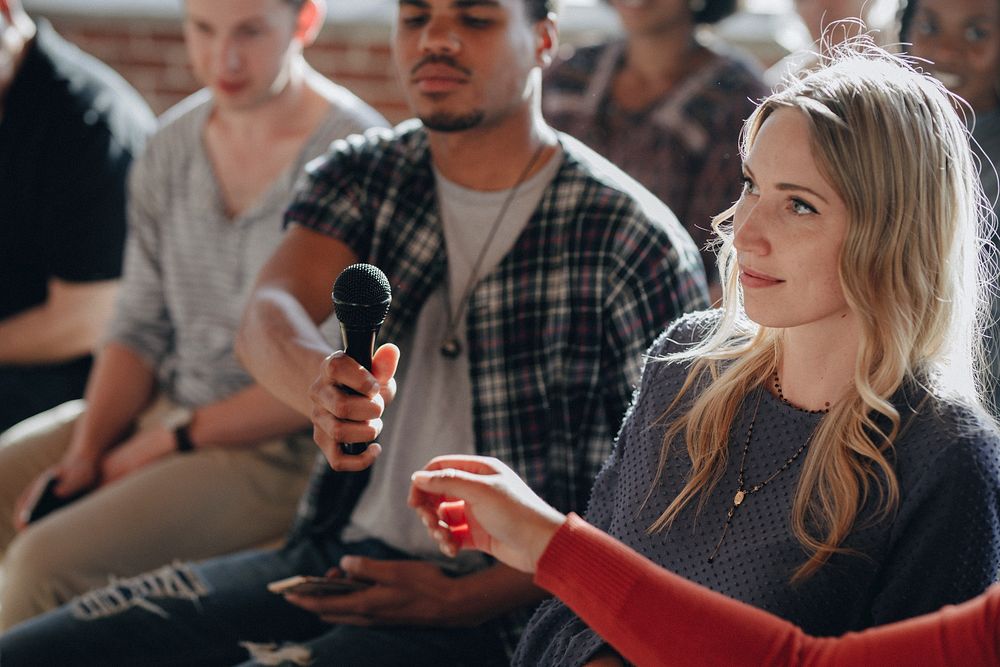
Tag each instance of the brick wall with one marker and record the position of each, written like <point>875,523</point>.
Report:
<point>149,53</point>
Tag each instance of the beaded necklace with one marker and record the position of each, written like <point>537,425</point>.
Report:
<point>741,490</point>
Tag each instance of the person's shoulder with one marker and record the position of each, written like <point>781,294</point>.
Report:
<point>607,185</point>
<point>945,436</point>
<point>375,159</point>
<point>182,124</point>
<point>346,107</point>
<point>685,332</point>
<point>95,92</point>
<point>612,209</point>
<point>603,189</point>
<point>378,143</point>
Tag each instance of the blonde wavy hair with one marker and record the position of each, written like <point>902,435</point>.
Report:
<point>889,141</point>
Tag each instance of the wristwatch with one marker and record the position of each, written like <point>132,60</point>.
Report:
<point>178,420</point>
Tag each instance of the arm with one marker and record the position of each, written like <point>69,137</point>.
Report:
<point>280,344</point>
<point>67,325</point>
<point>618,593</point>
<point>241,420</point>
<point>279,340</point>
<point>648,613</point>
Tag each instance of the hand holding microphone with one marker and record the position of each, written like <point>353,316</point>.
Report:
<point>477,502</point>
<point>354,385</point>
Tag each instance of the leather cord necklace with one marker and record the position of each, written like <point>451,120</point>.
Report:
<point>451,346</point>
<point>742,491</point>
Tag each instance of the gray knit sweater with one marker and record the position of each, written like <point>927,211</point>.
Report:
<point>941,546</point>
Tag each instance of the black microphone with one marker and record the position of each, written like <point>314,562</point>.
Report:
<point>361,297</point>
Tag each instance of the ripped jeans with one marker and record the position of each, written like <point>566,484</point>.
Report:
<point>219,612</point>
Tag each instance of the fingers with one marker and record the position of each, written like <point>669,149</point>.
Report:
<point>342,462</point>
<point>384,364</point>
<point>347,406</point>
<point>74,477</point>
<point>453,513</point>
<point>341,370</point>
<point>339,608</point>
<point>482,465</point>
<point>450,483</point>
<point>426,489</point>
<point>370,569</point>
<point>21,507</point>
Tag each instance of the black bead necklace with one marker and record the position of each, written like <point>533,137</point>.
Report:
<point>741,489</point>
<point>451,345</point>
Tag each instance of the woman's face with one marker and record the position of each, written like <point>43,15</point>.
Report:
<point>789,226</point>
<point>241,49</point>
<point>960,38</point>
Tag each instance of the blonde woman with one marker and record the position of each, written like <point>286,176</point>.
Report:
<point>816,447</point>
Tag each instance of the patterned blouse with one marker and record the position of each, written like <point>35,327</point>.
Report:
<point>683,147</point>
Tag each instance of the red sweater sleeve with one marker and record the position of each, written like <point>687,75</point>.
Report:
<point>654,617</point>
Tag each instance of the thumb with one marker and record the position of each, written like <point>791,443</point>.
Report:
<point>368,569</point>
<point>384,362</point>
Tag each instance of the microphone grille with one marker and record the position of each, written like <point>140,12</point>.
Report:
<point>361,296</point>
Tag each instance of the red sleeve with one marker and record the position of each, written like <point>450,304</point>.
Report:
<point>652,616</point>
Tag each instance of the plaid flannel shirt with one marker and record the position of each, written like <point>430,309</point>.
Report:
<point>556,332</point>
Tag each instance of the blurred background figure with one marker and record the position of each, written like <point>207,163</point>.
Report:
<point>878,17</point>
<point>69,128</point>
<point>960,40</point>
<point>664,105</point>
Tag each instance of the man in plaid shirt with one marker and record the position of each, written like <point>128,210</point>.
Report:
<point>546,270</point>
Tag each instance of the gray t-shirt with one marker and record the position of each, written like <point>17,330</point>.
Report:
<point>432,413</point>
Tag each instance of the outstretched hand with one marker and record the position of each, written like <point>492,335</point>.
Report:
<point>339,416</point>
<point>477,502</point>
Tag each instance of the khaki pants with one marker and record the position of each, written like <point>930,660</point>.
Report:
<point>184,507</point>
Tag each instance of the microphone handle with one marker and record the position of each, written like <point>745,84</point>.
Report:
<point>359,344</point>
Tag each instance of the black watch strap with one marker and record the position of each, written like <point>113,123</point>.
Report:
<point>183,439</point>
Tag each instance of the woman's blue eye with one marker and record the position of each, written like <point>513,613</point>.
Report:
<point>802,208</point>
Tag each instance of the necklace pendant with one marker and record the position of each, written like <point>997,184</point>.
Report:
<point>451,348</point>
<point>738,498</point>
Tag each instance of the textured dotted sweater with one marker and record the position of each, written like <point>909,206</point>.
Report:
<point>941,546</point>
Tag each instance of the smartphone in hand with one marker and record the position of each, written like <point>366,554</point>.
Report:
<point>46,501</point>
<point>302,585</point>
